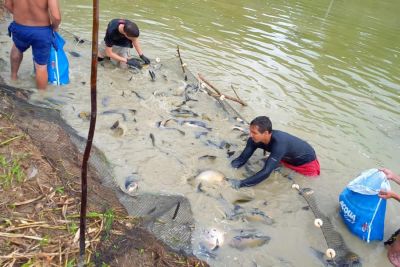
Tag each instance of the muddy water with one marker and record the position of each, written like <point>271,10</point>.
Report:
<point>327,72</point>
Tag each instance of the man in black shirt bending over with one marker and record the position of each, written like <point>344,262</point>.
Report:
<point>284,148</point>
<point>121,35</point>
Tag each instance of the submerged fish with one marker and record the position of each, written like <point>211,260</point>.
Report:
<point>131,184</point>
<point>163,125</point>
<point>195,123</point>
<point>205,252</point>
<point>74,54</point>
<point>251,240</point>
<point>115,111</point>
<point>138,95</point>
<point>253,215</point>
<point>105,101</point>
<point>119,129</point>
<point>213,239</point>
<point>152,75</point>
<point>229,198</point>
<point>153,140</point>
<point>210,157</point>
<point>240,129</point>
<point>179,112</point>
<point>242,200</point>
<point>221,145</point>
<point>78,40</point>
<point>186,93</point>
<point>200,134</point>
<point>230,153</point>
<point>210,177</point>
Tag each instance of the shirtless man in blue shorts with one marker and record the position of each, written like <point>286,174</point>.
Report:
<point>33,25</point>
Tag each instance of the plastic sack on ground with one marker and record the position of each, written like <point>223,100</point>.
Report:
<point>58,66</point>
<point>361,209</point>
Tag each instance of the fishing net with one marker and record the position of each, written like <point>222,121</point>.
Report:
<point>168,217</point>
<point>343,255</point>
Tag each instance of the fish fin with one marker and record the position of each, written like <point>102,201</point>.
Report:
<point>319,255</point>
<point>199,188</point>
<point>181,132</point>
<point>216,245</point>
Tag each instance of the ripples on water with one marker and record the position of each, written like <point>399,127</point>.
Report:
<point>327,71</point>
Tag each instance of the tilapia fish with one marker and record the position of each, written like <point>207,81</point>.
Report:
<point>248,240</point>
<point>252,215</point>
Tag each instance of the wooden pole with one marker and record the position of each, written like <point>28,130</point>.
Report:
<point>93,101</point>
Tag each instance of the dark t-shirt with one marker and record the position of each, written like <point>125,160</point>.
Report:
<point>114,37</point>
<point>282,147</point>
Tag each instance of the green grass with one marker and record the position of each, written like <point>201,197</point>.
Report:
<point>29,263</point>
<point>59,190</point>
<point>45,241</point>
<point>71,263</point>
<point>108,221</point>
<point>73,228</point>
<point>10,171</point>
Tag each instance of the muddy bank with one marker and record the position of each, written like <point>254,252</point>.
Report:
<point>40,201</point>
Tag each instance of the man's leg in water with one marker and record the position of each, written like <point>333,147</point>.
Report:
<point>41,76</point>
<point>122,52</point>
<point>15,58</point>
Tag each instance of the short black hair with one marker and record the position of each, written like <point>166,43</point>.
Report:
<point>131,29</point>
<point>263,123</point>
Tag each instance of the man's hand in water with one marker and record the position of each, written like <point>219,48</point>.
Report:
<point>145,59</point>
<point>132,62</point>
<point>235,183</point>
<point>237,163</point>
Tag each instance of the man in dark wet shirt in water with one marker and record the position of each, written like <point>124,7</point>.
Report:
<point>121,35</point>
<point>290,151</point>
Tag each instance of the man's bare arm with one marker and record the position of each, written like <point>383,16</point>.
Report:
<point>9,5</point>
<point>136,44</point>
<point>55,15</point>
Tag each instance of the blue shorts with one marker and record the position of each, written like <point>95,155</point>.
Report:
<point>39,37</point>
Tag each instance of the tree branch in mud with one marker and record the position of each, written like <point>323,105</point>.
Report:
<point>182,65</point>
<point>93,99</point>
<point>233,89</point>
<point>219,94</point>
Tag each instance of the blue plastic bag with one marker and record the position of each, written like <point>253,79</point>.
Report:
<point>58,66</point>
<point>361,209</point>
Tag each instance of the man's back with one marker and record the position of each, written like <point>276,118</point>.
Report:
<point>35,12</point>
